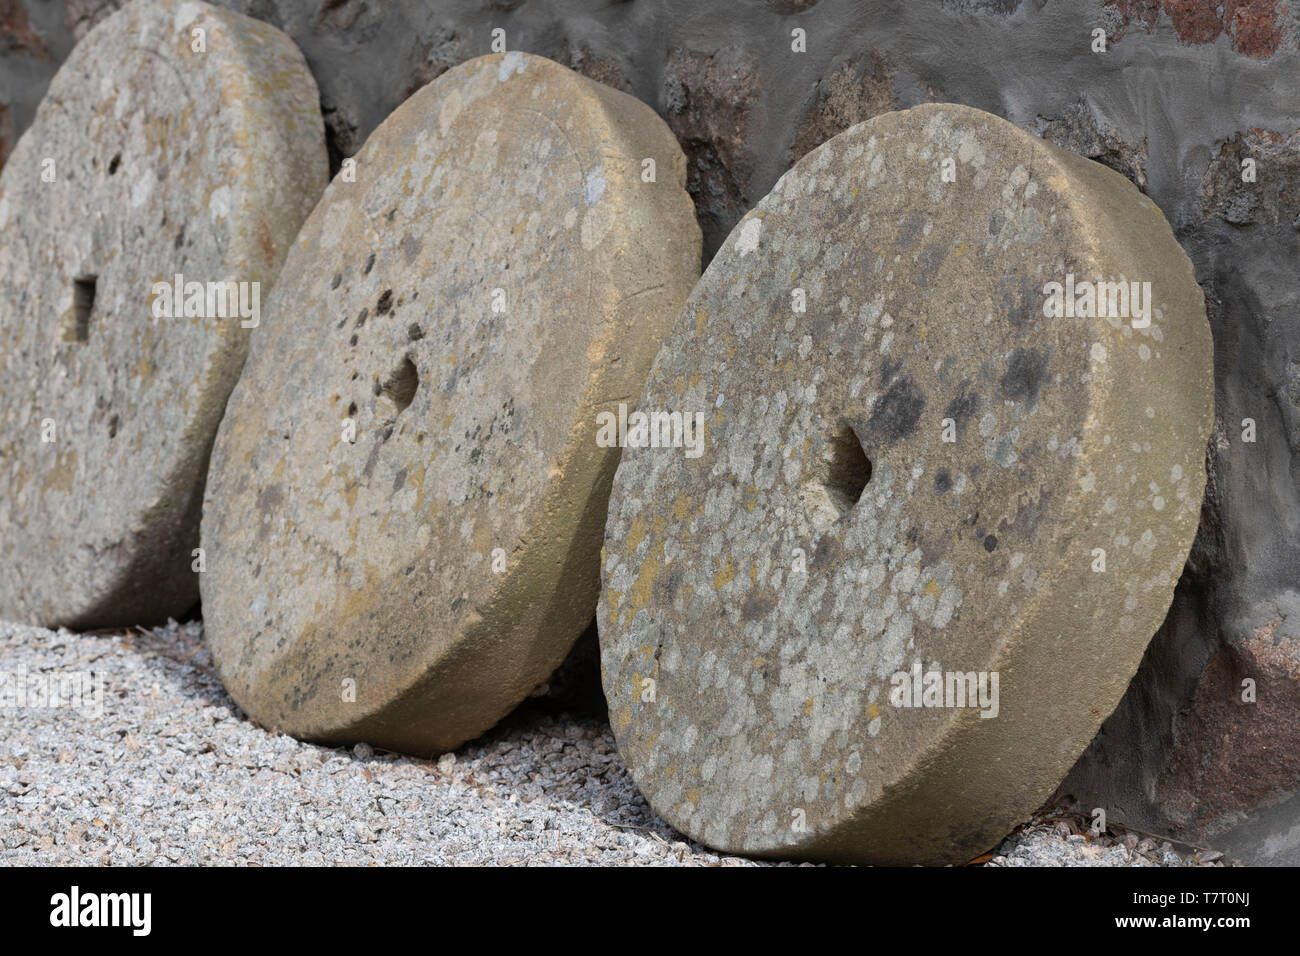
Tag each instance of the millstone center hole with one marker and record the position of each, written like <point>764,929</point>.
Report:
<point>837,478</point>
<point>83,303</point>
<point>399,388</point>
<point>848,467</point>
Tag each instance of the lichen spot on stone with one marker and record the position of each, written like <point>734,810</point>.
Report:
<point>747,241</point>
<point>512,62</point>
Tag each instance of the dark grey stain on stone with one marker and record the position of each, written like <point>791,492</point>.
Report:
<point>1025,375</point>
<point>896,414</point>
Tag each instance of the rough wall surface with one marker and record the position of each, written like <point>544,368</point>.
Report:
<point>1186,90</point>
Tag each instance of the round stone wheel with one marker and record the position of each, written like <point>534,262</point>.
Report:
<point>148,159</point>
<point>909,470</point>
<point>404,512</point>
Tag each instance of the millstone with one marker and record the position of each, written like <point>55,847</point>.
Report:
<point>782,613</point>
<point>148,159</point>
<point>407,495</point>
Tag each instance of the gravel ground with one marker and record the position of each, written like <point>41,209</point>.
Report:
<point>164,769</point>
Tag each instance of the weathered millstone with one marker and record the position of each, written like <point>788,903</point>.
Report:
<point>158,152</point>
<point>774,608</point>
<point>404,512</point>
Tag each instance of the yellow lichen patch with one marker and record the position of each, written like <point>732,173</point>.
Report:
<point>143,368</point>
<point>873,711</point>
<point>933,589</point>
<point>693,795</point>
<point>701,318</point>
<point>415,479</point>
<point>639,596</point>
<point>597,350</point>
<point>725,574</point>
<point>484,540</point>
<point>636,533</point>
<point>808,706</point>
<point>62,473</point>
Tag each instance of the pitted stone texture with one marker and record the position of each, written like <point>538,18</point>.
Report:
<point>166,161</point>
<point>769,728</point>
<point>497,275</point>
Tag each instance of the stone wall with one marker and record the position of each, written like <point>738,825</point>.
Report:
<point>1186,90</point>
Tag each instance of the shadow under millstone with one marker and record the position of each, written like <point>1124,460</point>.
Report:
<point>573,690</point>
<point>575,686</point>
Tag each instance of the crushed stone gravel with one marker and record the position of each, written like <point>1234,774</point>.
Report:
<point>160,767</point>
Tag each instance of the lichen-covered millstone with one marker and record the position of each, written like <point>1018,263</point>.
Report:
<point>782,613</point>
<point>177,140</point>
<point>404,512</point>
